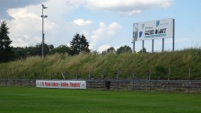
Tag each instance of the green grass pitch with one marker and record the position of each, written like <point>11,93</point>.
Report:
<point>36,100</point>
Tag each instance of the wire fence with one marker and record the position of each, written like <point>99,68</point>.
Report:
<point>124,84</point>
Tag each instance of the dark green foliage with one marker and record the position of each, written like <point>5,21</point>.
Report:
<point>20,52</point>
<point>143,50</point>
<point>79,44</point>
<point>6,53</point>
<point>124,49</point>
<point>160,72</point>
<point>61,49</point>
<point>109,50</point>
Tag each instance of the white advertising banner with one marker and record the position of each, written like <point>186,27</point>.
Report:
<point>68,84</point>
<point>153,29</point>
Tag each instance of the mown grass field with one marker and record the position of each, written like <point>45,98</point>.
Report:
<point>35,100</point>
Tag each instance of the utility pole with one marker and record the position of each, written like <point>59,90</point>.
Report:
<point>43,35</point>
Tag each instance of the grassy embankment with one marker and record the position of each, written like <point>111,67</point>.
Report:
<point>34,100</point>
<point>108,66</point>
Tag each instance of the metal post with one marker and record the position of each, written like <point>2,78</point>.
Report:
<point>173,39</point>
<point>189,73</point>
<point>89,75</point>
<point>149,80</point>
<point>142,46</point>
<point>133,73</point>
<point>169,80</point>
<point>43,35</point>
<point>133,46</point>
<point>42,31</point>
<point>163,45</point>
<point>117,77</point>
<point>152,45</point>
<point>189,80</point>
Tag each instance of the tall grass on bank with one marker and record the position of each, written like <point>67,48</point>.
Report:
<point>159,65</point>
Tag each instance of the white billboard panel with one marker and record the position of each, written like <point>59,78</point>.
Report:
<point>68,84</point>
<point>153,29</point>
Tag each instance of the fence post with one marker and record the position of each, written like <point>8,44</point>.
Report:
<point>133,73</point>
<point>103,80</point>
<point>89,75</point>
<point>169,80</point>
<point>89,79</point>
<point>117,77</point>
<point>62,74</point>
<point>189,78</point>
<point>77,75</point>
<point>149,80</point>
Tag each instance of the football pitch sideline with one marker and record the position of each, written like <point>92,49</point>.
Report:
<point>36,100</point>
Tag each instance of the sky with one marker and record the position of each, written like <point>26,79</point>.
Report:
<point>105,23</point>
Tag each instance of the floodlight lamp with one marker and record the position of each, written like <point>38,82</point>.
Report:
<point>44,7</point>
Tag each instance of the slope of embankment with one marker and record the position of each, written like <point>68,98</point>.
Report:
<point>185,64</point>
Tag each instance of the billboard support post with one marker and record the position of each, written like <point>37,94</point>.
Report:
<point>173,38</point>
<point>133,46</point>
<point>152,45</point>
<point>142,46</point>
<point>162,44</point>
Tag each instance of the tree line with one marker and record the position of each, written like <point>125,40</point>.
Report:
<point>78,44</point>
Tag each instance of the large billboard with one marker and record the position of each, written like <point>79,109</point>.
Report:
<point>68,84</point>
<point>153,29</point>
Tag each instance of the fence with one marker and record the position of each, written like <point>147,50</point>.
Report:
<point>132,84</point>
<point>17,82</point>
<point>162,85</point>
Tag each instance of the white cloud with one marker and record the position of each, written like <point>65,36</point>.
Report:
<point>127,7</point>
<point>26,23</point>
<point>104,34</point>
<point>82,22</point>
<point>25,26</point>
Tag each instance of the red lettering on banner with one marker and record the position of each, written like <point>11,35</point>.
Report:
<point>47,84</point>
<point>51,84</point>
<point>64,84</point>
<point>55,84</point>
<point>74,84</point>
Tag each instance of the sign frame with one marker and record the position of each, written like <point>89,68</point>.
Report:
<point>155,29</point>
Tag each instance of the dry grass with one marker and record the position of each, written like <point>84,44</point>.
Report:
<point>108,65</point>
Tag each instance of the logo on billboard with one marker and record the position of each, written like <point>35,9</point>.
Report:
<point>141,32</point>
<point>157,23</point>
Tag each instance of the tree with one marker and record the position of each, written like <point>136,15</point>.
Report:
<point>109,50</point>
<point>6,53</point>
<point>19,52</point>
<point>79,44</point>
<point>36,51</point>
<point>124,49</point>
<point>61,49</point>
<point>143,50</point>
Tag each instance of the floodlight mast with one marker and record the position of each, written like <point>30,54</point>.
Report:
<point>43,35</point>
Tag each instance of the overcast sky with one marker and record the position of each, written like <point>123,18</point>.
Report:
<point>105,23</point>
